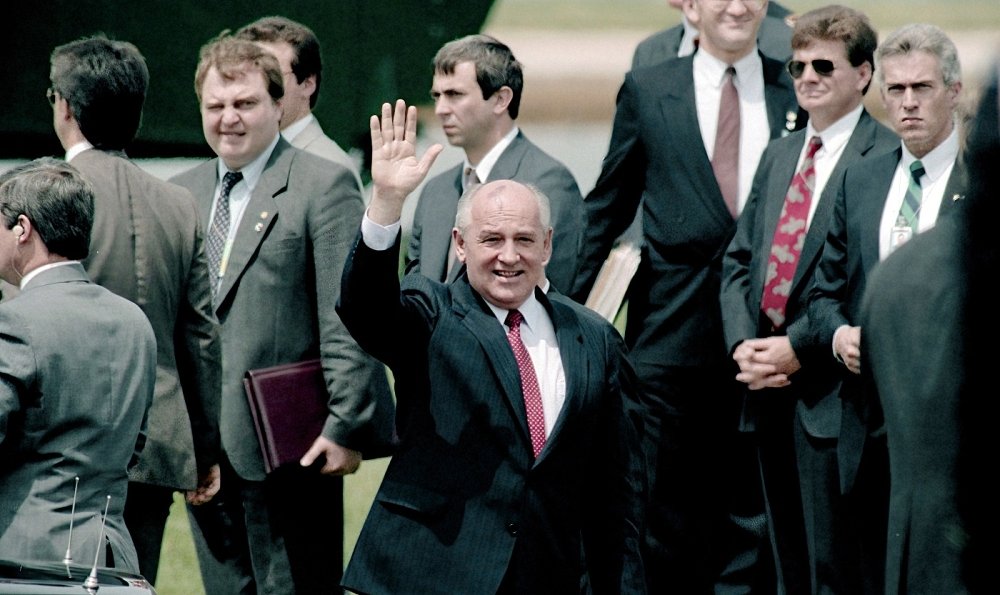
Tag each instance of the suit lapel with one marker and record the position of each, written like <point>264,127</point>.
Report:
<point>779,97</point>
<point>510,160</point>
<point>574,362</point>
<point>258,217</point>
<point>954,191</point>
<point>875,193</point>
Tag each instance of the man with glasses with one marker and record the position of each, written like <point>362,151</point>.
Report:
<point>880,203</point>
<point>705,518</point>
<point>791,397</point>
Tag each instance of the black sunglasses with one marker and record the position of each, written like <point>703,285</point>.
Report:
<point>822,67</point>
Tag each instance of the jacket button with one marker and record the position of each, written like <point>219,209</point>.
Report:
<point>512,529</point>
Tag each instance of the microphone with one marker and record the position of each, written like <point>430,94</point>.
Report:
<point>68,558</point>
<point>92,582</point>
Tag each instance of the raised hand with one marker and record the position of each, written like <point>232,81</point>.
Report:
<point>396,171</point>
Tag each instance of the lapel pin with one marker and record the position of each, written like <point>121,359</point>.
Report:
<point>259,227</point>
<point>264,214</point>
<point>957,197</point>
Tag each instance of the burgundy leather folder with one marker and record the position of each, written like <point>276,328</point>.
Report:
<point>289,407</point>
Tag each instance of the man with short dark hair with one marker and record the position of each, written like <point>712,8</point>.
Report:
<point>767,271</point>
<point>77,371</point>
<point>477,97</point>
<point>147,246</point>
<point>298,52</point>
<point>280,224</point>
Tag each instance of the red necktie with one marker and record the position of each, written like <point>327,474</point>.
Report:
<point>529,382</point>
<point>788,237</point>
<point>726,156</point>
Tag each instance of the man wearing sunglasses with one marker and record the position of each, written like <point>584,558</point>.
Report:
<point>880,203</point>
<point>791,399</point>
<point>705,516</point>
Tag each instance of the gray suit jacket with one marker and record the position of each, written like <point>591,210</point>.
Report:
<point>434,218</point>
<point>464,483</point>
<point>77,370</point>
<point>313,140</point>
<point>850,252</point>
<point>744,273</point>
<point>146,246</point>
<point>774,39</point>
<point>276,301</point>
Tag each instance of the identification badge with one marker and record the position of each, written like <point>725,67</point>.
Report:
<point>899,235</point>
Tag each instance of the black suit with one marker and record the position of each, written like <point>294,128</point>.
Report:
<point>464,507</point>
<point>674,327</point>
<point>855,420</point>
<point>777,414</point>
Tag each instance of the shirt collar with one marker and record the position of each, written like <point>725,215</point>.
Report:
<point>837,134</point>
<point>78,148</point>
<point>36,271</point>
<point>532,311</point>
<point>940,158</point>
<point>253,170</point>
<point>295,128</point>
<point>486,164</point>
<point>748,68</point>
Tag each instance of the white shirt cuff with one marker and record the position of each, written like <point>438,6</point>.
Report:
<point>378,237</point>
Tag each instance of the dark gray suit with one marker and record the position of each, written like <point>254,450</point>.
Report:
<point>77,370</point>
<point>854,417</point>
<point>275,305</point>
<point>146,246</point>
<point>774,40</point>
<point>430,239</point>
<point>674,327</point>
<point>805,404</point>
<point>464,506</point>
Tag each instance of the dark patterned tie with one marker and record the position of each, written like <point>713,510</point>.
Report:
<point>217,235</point>
<point>529,382</point>
<point>726,156</point>
<point>910,209</point>
<point>788,237</point>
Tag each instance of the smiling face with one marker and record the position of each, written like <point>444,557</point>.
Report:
<point>504,245</point>
<point>829,98</point>
<point>919,104</point>
<point>238,116</point>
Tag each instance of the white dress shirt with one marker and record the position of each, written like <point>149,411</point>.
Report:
<point>835,138</point>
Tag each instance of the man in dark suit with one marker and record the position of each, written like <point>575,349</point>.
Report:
<point>928,349</point>
<point>517,466</point>
<point>280,225</point>
<point>297,49</point>
<point>789,376</point>
<point>919,76</point>
<point>146,247</point>
<point>477,96</point>
<point>773,39</point>
<point>661,152</point>
<point>76,379</point>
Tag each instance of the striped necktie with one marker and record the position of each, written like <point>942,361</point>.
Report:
<point>910,209</point>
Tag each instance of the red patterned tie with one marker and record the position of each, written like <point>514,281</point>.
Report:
<point>529,382</point>
<point>788,238</point>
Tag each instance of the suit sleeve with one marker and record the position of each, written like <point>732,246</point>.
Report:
<point>611,206</point>
<point>412,257</point>
<point>827,305</point>
<point>16,370</point>
<point>198,352</point>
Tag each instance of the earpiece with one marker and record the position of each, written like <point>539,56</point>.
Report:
<point>18,230</point>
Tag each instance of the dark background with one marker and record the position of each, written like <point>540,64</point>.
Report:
<point>373,51</point>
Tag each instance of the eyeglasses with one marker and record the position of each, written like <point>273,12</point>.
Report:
<point>822,67</point>
<point>50,94</point>
<point>754,5</point>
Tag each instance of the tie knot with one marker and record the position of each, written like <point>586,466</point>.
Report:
<point>814,145</point>
<point>514,318</point>
<point>917,170</point>
<point>471,179</point>
<point>730,73</point>
<point>229,180</point>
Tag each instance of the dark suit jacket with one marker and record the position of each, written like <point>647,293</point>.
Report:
<point>744,272</point>
<point>463,498</point>
<point>77,370</point>
<point>912,347</point>
<point>146,246</point>
<point>850,251</point>
<point>276,301</point>
<point>774,39</point>
<point>657,155</point>
<point>523,161</point>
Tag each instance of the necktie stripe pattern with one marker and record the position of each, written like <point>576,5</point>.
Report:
<point>529,382</point>
<point>726,155</point>
<point>216,242</point>
<point>914,194</point>
<point>788,237</point>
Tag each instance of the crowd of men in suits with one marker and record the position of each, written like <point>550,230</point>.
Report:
<point>739,438</point>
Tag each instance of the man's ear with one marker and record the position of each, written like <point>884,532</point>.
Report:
<point>504,95</point>
<point>459,244</point>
